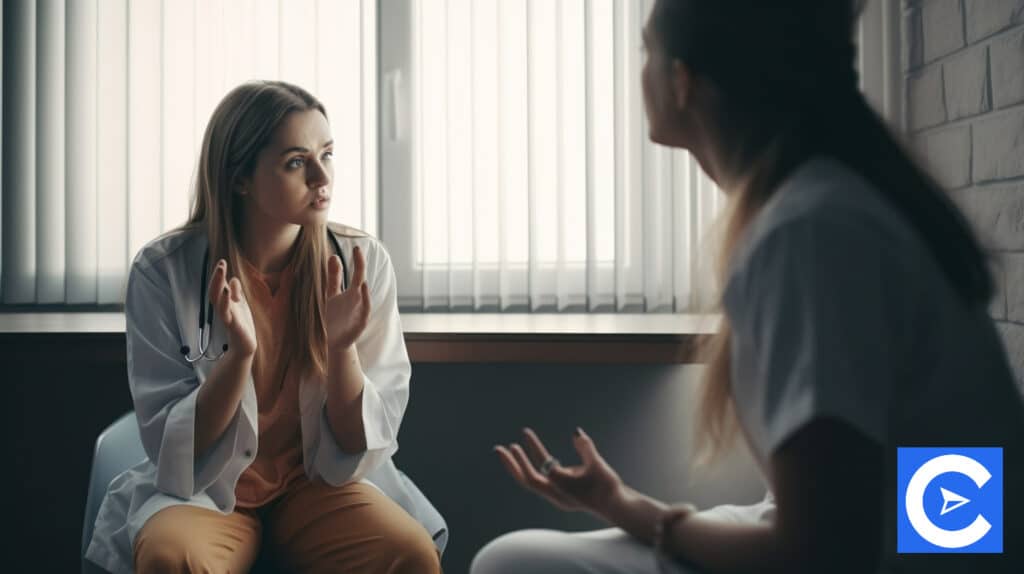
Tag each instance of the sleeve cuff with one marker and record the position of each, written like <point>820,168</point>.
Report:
<point>337,466</point>
<point>178,473</point>
<point>174,469</point>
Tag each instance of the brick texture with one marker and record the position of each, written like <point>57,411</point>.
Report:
<point>963,61</point>
<point>965,81</point>
<point>1008,70</point>
<point>942,22</point>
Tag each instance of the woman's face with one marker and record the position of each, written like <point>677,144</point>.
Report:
<point>664,119</point>
<point>292,181</point>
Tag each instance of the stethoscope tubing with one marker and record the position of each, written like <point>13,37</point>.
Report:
<point>206,308</point>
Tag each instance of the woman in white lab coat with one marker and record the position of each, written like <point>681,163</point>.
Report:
<point>274,421</point>
<point>855,321</point>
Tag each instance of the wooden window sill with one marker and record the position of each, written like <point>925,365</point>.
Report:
<point>436,338</point>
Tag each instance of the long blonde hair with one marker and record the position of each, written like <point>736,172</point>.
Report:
<point>241,126</point>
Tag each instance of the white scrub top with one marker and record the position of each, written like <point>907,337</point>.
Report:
<point>838,309</point>
<point>162,314</point>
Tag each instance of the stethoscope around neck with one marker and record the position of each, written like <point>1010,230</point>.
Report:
<point>206,308</point>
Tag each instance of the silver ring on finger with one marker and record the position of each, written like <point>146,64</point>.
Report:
<point>548,464</point>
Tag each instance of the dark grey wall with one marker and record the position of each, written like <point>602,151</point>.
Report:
<point>639,417</point>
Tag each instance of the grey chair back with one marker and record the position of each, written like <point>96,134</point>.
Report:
<point>118,448</point>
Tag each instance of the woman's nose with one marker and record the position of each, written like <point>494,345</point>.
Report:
<point>318,175</point>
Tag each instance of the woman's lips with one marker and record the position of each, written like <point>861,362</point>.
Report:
<point>321,203</point>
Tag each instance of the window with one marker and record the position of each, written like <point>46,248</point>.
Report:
<point>524,160</point>
<point>518,136</point>
<point>508,168</point>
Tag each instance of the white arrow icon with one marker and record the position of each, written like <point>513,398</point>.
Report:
<point>951,497</point>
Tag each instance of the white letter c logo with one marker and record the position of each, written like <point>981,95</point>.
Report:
<point>915,501</point>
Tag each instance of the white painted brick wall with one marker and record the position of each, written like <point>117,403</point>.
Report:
<point>999,146</point>
<point>1013,338</point>
<point>966,84</point>
<point>1013,267</point>
<point>927,105</point>
<point>1007,55</point>
<point>986,17</point>
<point>968,129</point>
<point>912,52</point>
<point>943,24</point>
<point>947,152</point>
<point>997,213</point>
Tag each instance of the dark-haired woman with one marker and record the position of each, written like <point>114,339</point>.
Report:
<point>855,322</point>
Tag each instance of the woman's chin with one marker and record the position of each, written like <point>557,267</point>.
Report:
<point>657,136</point>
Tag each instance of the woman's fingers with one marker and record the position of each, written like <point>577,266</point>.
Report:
<point>223,297</point>
<point>509,461</point>
<point>359,272</point>
<point>334,275</point>
<point>513,461</point>
<point>217,283</point>
<point>585,447</point>
<point>538,452</point>
<point>534,478</point>
<point>364,312</point>
<point>235,288</point>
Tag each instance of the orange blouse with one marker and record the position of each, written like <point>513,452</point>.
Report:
<point>278,461</point>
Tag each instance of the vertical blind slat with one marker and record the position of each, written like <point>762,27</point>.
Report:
<point>19,198</point>
<point>144,139</point>
<point>3,136</point>
<point>80,151</point>
<point>49,166</point>
<point>368,169</point>
<point>112,148</point>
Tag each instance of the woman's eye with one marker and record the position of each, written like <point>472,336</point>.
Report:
<point>294,163</point>
<point>329,154</point>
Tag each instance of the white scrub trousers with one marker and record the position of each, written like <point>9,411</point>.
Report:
<point>608,551</point>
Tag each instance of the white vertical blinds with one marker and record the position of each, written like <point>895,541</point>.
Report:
<point>515,170</point>
<point>534,185</point>
<point>104,107</point>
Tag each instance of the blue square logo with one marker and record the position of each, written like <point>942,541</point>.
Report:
<point>949,500</point>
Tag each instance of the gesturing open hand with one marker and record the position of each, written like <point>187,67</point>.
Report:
<point>588,486</point>
<point>347,311</point>
<point>233,310</point>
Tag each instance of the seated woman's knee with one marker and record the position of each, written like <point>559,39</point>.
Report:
<point>168,555</point>
<point>535,551</point>
<point>412,550</point>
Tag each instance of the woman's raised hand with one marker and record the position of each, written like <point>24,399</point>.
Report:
<point>347,311</point>
<point>233,310</point>
<point>588,486</point>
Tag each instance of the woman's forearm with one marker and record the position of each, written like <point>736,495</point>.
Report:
<point>711,545</point>
<point>345,399</point>
<point>726,547</point>
<point>634,512</point>
<point>219,398</point>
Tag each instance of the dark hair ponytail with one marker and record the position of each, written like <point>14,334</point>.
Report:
<point>872,151</point>
<point>788,89</point>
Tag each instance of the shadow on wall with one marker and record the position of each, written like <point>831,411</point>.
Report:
<point>640,416</point>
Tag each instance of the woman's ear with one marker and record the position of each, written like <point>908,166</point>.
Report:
<point>242,187</point>
<point>682,84</point>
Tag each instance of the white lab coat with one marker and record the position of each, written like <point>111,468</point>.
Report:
<point>162,314</point>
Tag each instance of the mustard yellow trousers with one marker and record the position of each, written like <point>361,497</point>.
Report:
<point>312,528</point>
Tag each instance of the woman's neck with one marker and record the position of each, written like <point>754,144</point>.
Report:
<point>727,151</point>
<point>268,245</point>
